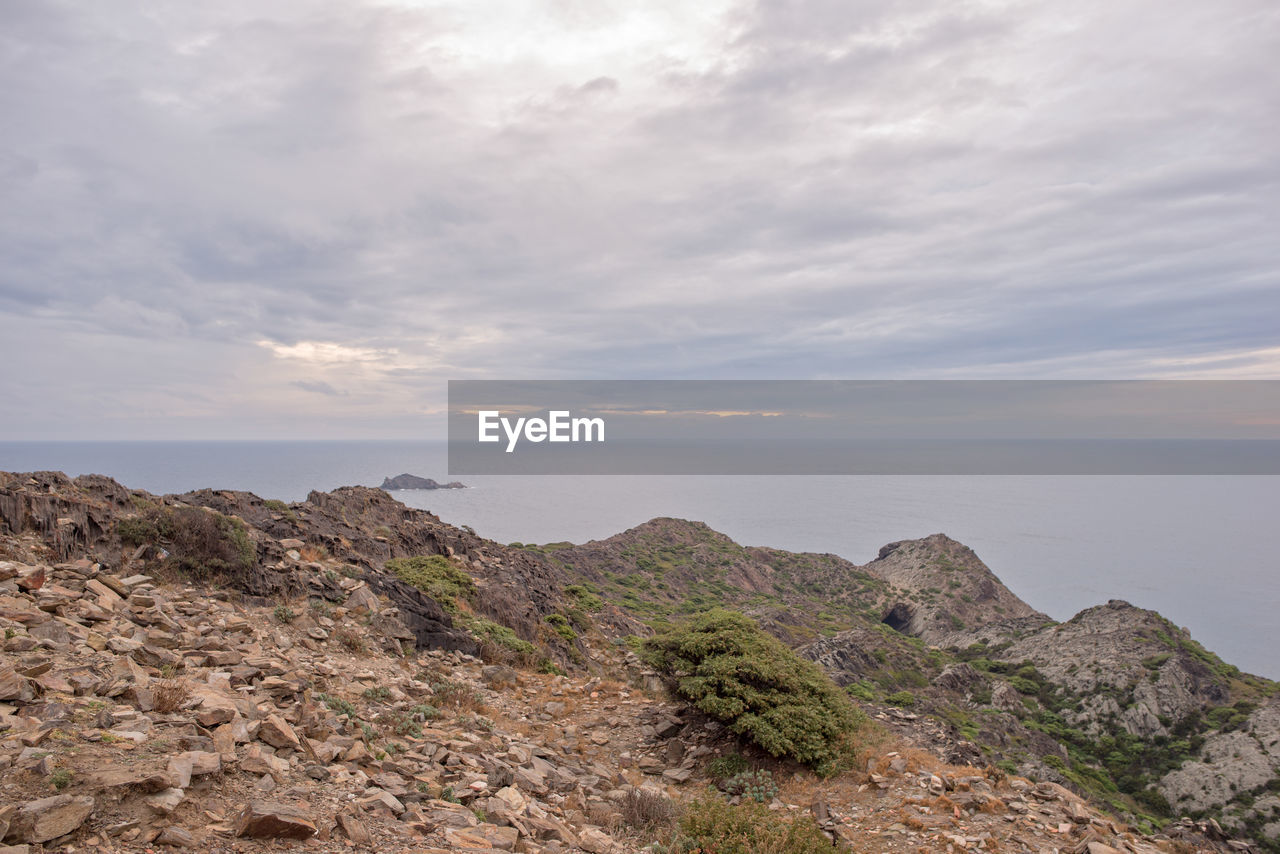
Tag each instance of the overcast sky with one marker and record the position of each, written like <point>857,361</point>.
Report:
<point>249,219</point>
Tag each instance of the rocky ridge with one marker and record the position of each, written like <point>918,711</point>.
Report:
<point>320,696</point>
<point>140,716</point>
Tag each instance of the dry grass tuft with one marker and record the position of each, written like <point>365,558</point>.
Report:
<point>648,811</point>
<point>168,695</point>
<point>603,815</point>
<point>313,553</point>
<point>350,641</point>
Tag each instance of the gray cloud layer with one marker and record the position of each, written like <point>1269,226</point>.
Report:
<point>246,220</point>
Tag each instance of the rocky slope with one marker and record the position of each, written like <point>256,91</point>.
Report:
<point>945,588</point>
<point>301,680</point>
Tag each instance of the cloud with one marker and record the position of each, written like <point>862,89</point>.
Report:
<point>319,387</point>
<point>326,352</point>
<point>384,196</point>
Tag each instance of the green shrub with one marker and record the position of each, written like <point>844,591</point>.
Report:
<point>284,614</point>
<point>711,824</point>
<point>435,575</point>
<point>137,530</point>
<point>905,699</point>
<point>560,623</point>
<point>731,670</point>
<point>862,691</point>
<point>1024,686</point>
<point>377,694</point>
<point>501,635</point>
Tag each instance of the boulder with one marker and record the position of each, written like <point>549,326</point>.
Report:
<point>48,818</point>
<point>263,819</point>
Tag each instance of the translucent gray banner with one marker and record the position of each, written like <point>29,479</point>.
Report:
<point>864,427</point>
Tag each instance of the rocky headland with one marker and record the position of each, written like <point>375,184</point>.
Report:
<point>216,672</point>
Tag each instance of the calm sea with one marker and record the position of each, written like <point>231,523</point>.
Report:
<point>1203,550</point>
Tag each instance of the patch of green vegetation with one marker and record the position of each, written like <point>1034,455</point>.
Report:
<point>862,691</point>
<point>406,726</point>
<point>1118,762</point>
<point>584,597</point>
<point>377,694</point>
<point>733,671</point>
<point>284,614</point>
<point>904,699</point>
<point>280,507</point>
<point>437,576</point>
<point>60,778</point>
<point>1154,662</point>
<point>560,623</point>
<point>1024,686</point>
<point>503,636</point>
<point>337,705</point>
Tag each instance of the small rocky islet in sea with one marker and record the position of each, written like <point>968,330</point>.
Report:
<point>412,481</point>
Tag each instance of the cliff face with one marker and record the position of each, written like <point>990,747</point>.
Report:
<point>1116,703</point>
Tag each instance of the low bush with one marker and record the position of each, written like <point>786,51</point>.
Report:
<point>457,695</point>
<point>503,636</point>
<point>1024,685</point>
<point>337,705</point>
<point>862,691</point>
<point>731,670</point>
<point>560,623</point>
<point>904,699</point>
<point>711,824</point>
<point>584,598</point>
<point>350,641</point>
<point>203,544</point>
<point>437,576</point>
